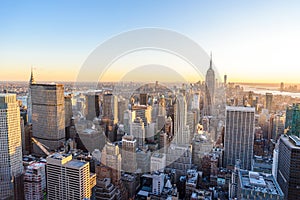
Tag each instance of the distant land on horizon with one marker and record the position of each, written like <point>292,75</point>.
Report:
<point>277,84</point>
<point>264,84</point>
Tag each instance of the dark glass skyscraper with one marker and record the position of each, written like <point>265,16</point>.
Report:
<point>293,119</point>
<point>288,173</point>
<point>92,106</point>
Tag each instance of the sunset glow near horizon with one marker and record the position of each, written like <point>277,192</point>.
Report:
<point>254,42</point>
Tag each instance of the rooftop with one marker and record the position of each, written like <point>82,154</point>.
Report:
<point>295,140</point>
<point>240,108</point>
<point>58,156</point>
<point>259,182</point>
<point>65,160</point>
<point>90,131</point>
<point>158,155</point>
<point>6,94</point>
<point>48,84</point>
<point>75,164</point>
<point>192,177</point>
<point>291,141</point>
<point>128,177</point>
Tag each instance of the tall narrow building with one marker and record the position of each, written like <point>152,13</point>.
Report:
<point>29,102</point>
<point>110,107</point>
<point>129,146</point>
<point>92,106</point>
<point>225,80</point>
<point>144,112</point>
<point>269,100</point>
<point>181,130</point>
<point>250,98</point>
<point>111,158</point>
<point>210,83</point>
<point>239,136</point>
<point>128,116</point>
<point>122,107</point>
<point>11,167</point>
<point>143,99</point>
<point>138,131</point>
<point>48,115</point>
<point>292,122</point>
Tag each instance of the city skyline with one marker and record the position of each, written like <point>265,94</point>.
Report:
<point>248,40</point>
<point>123,100</point>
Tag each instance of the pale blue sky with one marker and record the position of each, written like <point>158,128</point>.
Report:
<point>251,40</point>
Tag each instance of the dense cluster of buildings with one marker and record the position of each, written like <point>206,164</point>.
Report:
<point>188,142</point>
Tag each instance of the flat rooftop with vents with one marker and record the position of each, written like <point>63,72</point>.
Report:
<point>255,185</point>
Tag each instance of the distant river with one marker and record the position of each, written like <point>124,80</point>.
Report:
<point>270,90</point>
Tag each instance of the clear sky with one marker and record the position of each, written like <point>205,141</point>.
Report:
<point>252,41</point>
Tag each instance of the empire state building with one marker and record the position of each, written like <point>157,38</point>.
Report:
<point>210,88</point>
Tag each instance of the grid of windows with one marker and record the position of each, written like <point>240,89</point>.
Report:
<point>48,114</point>
<point>10,144</point>
<point>68,181</point>
<point>288,168</point>
<point>239,136</point>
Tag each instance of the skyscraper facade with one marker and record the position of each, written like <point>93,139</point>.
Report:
<point>289,115</point>
<point>68,178</point>
<point>68,111</point>
<point>296,120</point>
<point>250,98</point>
<point>128,118</point>
<point>269,100</point>
<point>111,158</point>
<point>122,107</point>
<point>293,119</point>
<point>162,106</point>
<point>143,99</point>
<point>48,115</point>
<point>129,145</point>
<point>181,130</point>
<point>138,131</point>
<point>158,162</point>
<point>210,83</point>
<point>35,181</point>
<point>92,106</point>
<point>11,166</point>
<point>239,136</point>
<point>144,112</point>
<point>288,166</point>
<point>110,107</point>
<point>29,102</point>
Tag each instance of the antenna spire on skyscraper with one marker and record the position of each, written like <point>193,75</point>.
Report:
<point>31,81</point>
<point>210,64</point>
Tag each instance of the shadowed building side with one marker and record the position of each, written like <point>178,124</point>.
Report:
<point>48,115</point>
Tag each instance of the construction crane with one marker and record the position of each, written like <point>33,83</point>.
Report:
<point>41,146</point>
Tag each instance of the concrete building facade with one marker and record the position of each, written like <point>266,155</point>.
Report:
<point>48,115</point>
<point>239,136</point>
<point>11,167</point>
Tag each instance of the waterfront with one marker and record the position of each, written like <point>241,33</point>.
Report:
<point>270,90</point>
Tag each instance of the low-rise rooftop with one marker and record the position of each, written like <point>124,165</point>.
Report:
<point>259,182</point>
